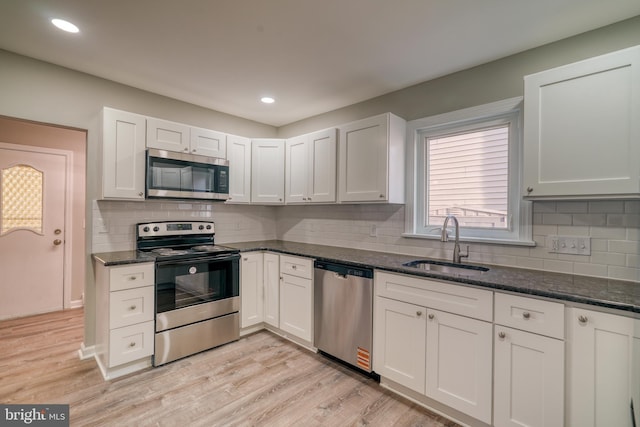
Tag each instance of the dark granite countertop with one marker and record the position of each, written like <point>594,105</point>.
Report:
<point>122,257</point>
<point>616,294</point>
<point>609,293</point>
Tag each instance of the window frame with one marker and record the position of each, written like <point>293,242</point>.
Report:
<point>507,111</point>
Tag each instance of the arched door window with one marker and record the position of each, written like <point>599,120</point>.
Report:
<point>21,199</point>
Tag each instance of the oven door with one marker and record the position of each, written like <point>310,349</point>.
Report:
<point>205,287</point>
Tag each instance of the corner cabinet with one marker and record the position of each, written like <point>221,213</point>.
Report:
<point>267,171</point>
<point>272,289</point>
<point>581,129</point>
<point>311,168</point>
<point>123,155</point>
<point>372,160</point>
<point>251,289</point>
<point>239,156</point>
<point>124,317</point>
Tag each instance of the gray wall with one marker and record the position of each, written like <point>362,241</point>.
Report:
<point>490,82</point>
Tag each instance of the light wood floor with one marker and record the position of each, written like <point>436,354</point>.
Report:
<point>260,380</point>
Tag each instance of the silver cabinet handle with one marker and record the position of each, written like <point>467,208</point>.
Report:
<point>294,267</point>
<point>132,277</point>
<point>526,315</point>
<point>132,344</point>
<point>418,313</point>
<point>141,194</point>
<point>583,319</point>
<point>502,335</point>
<point>133,307</point>
<point>57,242</point>
<point>432,316</point>
<point>529,189</point>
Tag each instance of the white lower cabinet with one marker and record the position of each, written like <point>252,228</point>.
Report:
<point>459,362</point>
<point>528,379</point>
<point>296,296</point>
<point>272,289</point>
<point>528,362</point>
<point>399,331</point>
<point>251,289</point>
<point>435,338</point>
<point>602,363</point>
<point>124,317</point>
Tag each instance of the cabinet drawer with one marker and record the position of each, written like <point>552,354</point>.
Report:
<point>131,276</point>
<point>130,343</point>
<point>530,314</point>
<point>444,296</point>
<point>296,266</point>
<point>131,306</point>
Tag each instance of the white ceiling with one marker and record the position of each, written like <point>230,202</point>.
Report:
<point>312,56</point>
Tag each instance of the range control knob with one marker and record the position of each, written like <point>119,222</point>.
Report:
<point>201,227</point>
<point>208,227</point>
<point>156,228</point>
<point>146,229</point>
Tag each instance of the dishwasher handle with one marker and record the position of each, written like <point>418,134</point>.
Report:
<point>344,270</point>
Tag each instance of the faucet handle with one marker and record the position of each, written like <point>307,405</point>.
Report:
<point>465,255</point>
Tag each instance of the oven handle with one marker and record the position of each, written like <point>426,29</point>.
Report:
<point>205,258</point>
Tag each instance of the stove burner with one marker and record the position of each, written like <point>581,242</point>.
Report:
<point>169,251</point>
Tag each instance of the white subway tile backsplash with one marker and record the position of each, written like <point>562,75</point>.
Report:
<point>612,225</point>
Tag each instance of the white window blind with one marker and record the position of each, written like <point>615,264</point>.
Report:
<point>468,177</point>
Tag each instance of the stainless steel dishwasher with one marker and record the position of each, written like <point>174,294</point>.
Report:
<point>343,313</point>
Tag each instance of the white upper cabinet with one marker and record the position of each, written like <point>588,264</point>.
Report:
<point>172,136</point>
<point>205,142</point>
<point>311,168</point>
<point>371,160</point>
<point>239,156</point>
<point>581,129</point>
<point>166,135</point>
<point>267,171</point>
<point>123,155</point>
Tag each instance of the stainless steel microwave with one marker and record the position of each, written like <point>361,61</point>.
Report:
<point>186,176</point>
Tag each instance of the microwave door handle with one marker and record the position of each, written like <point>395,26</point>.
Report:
<point>196,259</point>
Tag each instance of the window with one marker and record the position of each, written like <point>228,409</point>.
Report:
<point>467,164</point>
<point>21,199</point>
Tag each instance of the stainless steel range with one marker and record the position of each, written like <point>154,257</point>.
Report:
<point>197,287</point>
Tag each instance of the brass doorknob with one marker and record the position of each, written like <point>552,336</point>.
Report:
<point>57,242</point>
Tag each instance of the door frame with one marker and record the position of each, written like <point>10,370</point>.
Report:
<point>67,259</point>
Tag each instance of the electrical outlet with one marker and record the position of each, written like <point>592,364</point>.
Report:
<point>373,231</point>
<point>575,245</point>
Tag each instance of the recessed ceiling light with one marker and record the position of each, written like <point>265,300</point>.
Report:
<point>267,100</point>
<point>65,25</point>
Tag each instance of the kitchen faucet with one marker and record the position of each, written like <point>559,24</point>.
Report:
<point>445,238</point>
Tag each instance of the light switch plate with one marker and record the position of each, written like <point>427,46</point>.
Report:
<point>575,245</point>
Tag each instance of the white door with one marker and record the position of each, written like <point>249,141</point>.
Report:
<point>459,362</point>
<point>32,234</point>
<point>251,298</point>
<point>322,164</point>
<point>239,156</point>
<point>267,171</point>
<point>272,289</point>
<point>296,306</point>
<point>296,170</point>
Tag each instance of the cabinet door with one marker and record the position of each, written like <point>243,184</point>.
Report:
<point>207,142</point>
<point>296,170</point>
<point>123,155</point>
<point>528,379</point>
<point>296,306</point>
<point>600,369</point>
<point>239,156</point>
<point>251,289</point>
<point>363,160</point>
<point>166,135</point>
<point>586,111</point>
<point>459,363</point>
<point>321,151</point>
<point>399,342</point>
<point>267,171</point>
<point>272,289</point>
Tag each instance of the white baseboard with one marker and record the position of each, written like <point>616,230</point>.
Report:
<point>86,352</point>
<point>76,303</point>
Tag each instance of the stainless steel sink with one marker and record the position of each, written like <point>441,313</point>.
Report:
<point>447,268</point>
